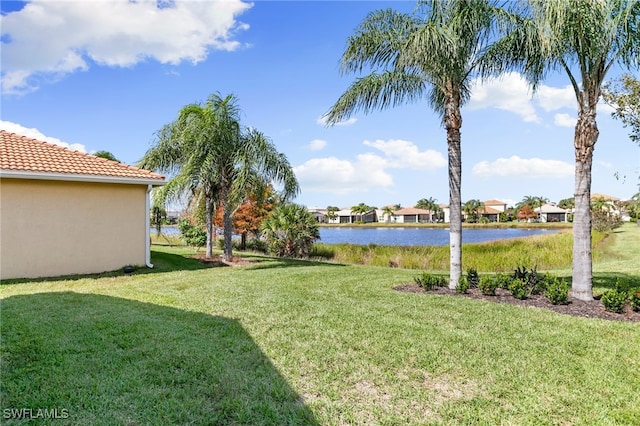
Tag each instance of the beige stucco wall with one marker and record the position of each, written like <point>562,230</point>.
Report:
<point>50,228</point>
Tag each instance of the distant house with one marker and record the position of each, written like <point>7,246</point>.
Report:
<point>551,213</point>
<point>491,210</point>
<point>65,212</point>
<point>412,215</point>
<point>319,214</point>
<point>346,215</point>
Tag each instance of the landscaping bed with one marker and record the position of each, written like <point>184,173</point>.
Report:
<point>577,308</point>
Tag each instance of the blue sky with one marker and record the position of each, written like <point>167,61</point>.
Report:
<point>106,75</point>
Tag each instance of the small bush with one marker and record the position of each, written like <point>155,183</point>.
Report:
<point>488,285</point>
<point>503,281</point>
<point>614,300</point>
<point>532,281</point>
<point>463,285</point>
<point>519,289</point>
<point>194,236</point>
<point>473,279</point>
<point>557,291</point>
<point>635,301</point>
<point>429,281</point>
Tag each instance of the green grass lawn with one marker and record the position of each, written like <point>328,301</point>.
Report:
<point>292,342</point>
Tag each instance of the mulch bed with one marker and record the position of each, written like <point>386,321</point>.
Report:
<point>577,308</point>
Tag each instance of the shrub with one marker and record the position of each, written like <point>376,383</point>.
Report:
<point>503,281</point>
<point>290,231</point>
<point>463,285</point>
<point>488,285</point>
<point>604,221</point>
<point>635,301</point>
<point>532,281</point>
<point>429,281</point>
<point>614,300</point>
<point>194,236</point>
<point>519,289</point>
<point>473,279</point>
<point>557,291</point>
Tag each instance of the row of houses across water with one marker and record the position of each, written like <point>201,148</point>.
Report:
<point>490,211</point>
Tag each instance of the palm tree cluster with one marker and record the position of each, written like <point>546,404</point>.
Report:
<point>290,231</point>
<point>217,161</point>
<point>435,53</point>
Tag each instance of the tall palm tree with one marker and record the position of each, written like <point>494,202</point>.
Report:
<point>432,54</point>
<point>584,39</point>
<point>361,209</point>
<point>213,156</point>
<point>430,204</point>
<point>472,208</point>
<point>388,212</point>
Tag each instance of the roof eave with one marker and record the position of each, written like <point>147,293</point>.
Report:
<point>19,174</point>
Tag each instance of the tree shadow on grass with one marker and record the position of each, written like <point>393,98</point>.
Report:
<point>171,262</point>
<point>608,280</point>
<point>162,262</point>
<point>108,360</point>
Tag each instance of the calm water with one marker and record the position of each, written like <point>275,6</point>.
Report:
<point>420,236</point>
<point>409,236</point>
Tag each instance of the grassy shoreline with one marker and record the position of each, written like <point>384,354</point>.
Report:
<point>492,225</point>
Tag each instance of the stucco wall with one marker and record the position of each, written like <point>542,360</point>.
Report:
<point>50,228</point>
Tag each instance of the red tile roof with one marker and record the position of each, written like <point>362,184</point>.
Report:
<point>410,211</point>
<point>22,154</point>
<point>494,203</point>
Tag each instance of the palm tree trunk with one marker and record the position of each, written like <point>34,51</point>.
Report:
<point>453,122</point>
<point>227,227</point>
<point>209,221</point>
<point>586,135</point>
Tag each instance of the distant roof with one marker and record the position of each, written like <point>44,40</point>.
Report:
<point>410,210</point>
<point>604,197</point>
<point>549,208</point>
<point>23,157</point>
<point>488,210</point>
<point>494,203</point>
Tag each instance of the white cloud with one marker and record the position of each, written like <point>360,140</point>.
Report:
<point>338,176</point>
<point>523,167</point>
<point>55,38</point>
<point>368,170</point>
<point>564,120</point>
<point>36,134</point>
<point>317,144</point>
<point>405,154</point>
<point>554,98</point>
<point>322,121</point>
<point>510,92</point>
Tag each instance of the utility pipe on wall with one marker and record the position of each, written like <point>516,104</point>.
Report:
<point>147,227</point>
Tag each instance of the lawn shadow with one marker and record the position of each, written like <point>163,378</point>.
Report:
<point>608,280</point>
<point>106,360</point>
<point>283,262</point>
<point>161,261</point>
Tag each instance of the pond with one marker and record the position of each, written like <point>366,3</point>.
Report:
<point>420,236</point>
<point>412,236</point>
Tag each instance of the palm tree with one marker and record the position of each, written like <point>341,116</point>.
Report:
<point>430,204</point>
<point>331,212</point>
<point>290,231</point>
<point>431,54</point>
<point>361,209</point>
<point>585,39</point>
<point>388,212</point>
<point>214,157</point>
<point>472,208</point>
